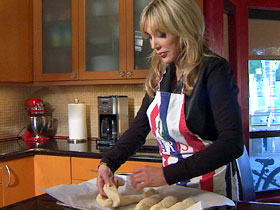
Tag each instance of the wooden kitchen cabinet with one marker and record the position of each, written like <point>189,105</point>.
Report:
<point>111,46</point>
<point>129,166</point>
<point>1,196</point>
<point>17,180</point>
<point>50,171</point>
<point>89,40</point>
<point>16,41</point>
<point>55,37</point>
<point>1,187</point>
<point>81,168</point>
<point>112,51</point>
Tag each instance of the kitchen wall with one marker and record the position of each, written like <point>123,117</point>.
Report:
<point>13,117</point>
<point>12,113</point>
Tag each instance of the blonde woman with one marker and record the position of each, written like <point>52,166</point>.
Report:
<point>191,106</point>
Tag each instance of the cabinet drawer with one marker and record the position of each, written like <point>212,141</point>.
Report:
<point>81,168</point>
<point>130,165</point>
<point>1,196</point>
<point>1,171</point>
<point>18,180</point>
<point>51,171</point>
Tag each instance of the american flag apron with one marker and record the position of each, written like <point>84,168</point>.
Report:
<point>176,142</point>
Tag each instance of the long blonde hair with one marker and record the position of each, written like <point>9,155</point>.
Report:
<point>181,18</point>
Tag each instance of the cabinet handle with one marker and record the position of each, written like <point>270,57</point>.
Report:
<point>74,75</point>
<point>122,74</point>
<point>129,74</point>
<point>9,173</point>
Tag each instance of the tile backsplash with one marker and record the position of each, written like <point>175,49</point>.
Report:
<point>12,113</point>
<point>13,117</point>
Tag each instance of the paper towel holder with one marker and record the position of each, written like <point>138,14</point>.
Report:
<point>77,122</point>
<point>76,141</point>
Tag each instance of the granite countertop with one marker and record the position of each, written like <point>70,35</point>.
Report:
<point>46,202</point>
<point>17,148</point>
<point>42,202</point>
<point>11,149</point>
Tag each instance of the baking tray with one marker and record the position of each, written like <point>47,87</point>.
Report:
<point>69,207</point>
<point>81,196</point>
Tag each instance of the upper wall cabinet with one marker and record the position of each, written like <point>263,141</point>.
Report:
<point>55,40</point>
<point>16,41</point>
<point>89,40</point>
<point>110,41</point>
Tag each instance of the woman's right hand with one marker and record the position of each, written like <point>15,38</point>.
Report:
<point>104,174</point>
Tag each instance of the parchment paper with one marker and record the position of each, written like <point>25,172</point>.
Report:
<point>82,196</point>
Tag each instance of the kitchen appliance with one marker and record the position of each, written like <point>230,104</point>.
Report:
<point>37,129</point>
<point>112,120</point>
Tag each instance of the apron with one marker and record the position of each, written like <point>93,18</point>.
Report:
<point>176,142</point>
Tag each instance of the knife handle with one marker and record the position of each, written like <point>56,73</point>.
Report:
<point>117,173</point>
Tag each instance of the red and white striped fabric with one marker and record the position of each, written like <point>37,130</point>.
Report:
<point>176,142</point>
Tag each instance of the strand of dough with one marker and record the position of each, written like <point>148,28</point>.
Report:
<point>104,201</point>
<point>182,205</point>
<point>147,203</point>
<point>115,199</point>
<point>166,202</point>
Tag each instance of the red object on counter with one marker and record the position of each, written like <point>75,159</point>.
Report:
<point>35,132</point>
<point>29,136</point>
<point>34,106</point>
<point>30,141</point>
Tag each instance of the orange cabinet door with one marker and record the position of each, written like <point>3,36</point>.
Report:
<point>102,39</point>
<point>1,195</point>
<point>81,169</point>
<point>1,187</point>
<point>18,180</point>
<point>130,165</point>
<point>51,171</point>
<point>16,41</point>
<point>55,36</point>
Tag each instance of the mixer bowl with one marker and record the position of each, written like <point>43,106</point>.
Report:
<point>38,124</point>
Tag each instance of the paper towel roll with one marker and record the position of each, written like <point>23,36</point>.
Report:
<point>77,121</point>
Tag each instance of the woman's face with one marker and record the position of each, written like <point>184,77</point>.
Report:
<point>166,46</point>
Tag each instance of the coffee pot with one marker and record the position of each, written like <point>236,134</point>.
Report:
<point>108,128</point>
<point>112,119</point>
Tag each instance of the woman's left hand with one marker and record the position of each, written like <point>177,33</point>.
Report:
<point>147,176</point>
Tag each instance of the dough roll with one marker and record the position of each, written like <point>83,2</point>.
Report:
<point>166,202</point>
<point>182,205</point>
<point>146,203</point>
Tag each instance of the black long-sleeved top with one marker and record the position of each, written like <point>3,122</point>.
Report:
<point>212,112</point>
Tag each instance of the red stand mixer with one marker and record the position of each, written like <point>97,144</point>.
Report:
<point>37,129</point>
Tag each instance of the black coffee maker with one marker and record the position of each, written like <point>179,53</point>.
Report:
<point>112,120</point>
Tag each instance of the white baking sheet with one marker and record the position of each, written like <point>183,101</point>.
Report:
<point>82,196</point>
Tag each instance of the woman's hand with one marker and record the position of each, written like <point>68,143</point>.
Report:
<point>147,176</point>
<point>104,174</point>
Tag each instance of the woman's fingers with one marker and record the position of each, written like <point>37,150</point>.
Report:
<point>137,177</point>
<point>147,176</point>
<point>104,174</point>
<point>100,185</point>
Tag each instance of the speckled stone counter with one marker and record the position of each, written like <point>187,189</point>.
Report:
<point>11,149</point>
<point>46,202</point>
<point>18,148</point>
